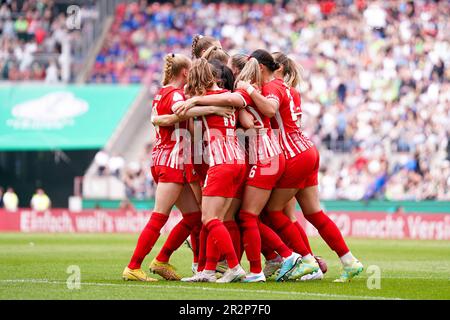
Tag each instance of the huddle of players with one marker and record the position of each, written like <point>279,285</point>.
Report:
<point>237,197</point>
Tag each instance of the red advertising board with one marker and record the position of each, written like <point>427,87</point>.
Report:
<point>87,221</point>
<point>352,224</point>
<point>388,226</point>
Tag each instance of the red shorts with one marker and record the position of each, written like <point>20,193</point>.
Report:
<point>225,180</point>
<point>301,171</point>
<point>191,173</point>
<point>266,174</point>
<point>201,170</point>
<point>168,174</point>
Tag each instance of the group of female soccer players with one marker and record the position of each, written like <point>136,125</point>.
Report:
<point>231,156</point>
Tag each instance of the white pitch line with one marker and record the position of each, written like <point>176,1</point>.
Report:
<point>215,289</point>
<point>415,278</point>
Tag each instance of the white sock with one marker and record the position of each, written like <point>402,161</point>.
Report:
<point>209,272</point>
<point>293,254</point>
<point>347,258</point>
<point>236,268</point>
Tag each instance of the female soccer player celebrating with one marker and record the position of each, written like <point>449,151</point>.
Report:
<point>289,72</point>
<point>168,169</point>
<point>267,165</point>
<point>225,80</point>
<point>224,179</point>
<point>300,176</point>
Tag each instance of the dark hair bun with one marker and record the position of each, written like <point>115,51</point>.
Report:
<point>266,59</point>
<point>276,66</point>
<point>224,74</point>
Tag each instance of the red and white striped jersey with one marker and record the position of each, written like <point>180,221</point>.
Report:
<point>297,101</point>
<point>297,105</point>
<point>221,143</point>
<point>265,145</point>
<point>291,138</point>
<point>172,145</point>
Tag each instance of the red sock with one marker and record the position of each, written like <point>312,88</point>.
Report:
<point>266,246</point>
<point>273,242</point>
<point>235,234</point>
<point>195,241</point>
<point>329,232</point>
<point>178,234</point>
<point>241,251</point>
<point>223,241</point>
<point>147,239</point>
<point>202,248</point>
<point>303,234</point>
<point>267,252</point>
<point>287,232</point>
<point>263,217</point>
<point>212,254</point>
<point>251,239</point>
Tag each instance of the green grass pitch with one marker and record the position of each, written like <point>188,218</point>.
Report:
<point>34,266</point>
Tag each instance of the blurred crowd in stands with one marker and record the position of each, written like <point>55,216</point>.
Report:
<point>135,175</point>
<point>33,41</point>
<point>375,79</point>
<point>40,40</point>
<point>10,201</point>
<point>375,89</point>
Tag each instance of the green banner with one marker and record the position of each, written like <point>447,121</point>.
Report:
<point>427,206</point>
<point>41,117</point>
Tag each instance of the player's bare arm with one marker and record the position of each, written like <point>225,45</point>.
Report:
<point>247,120</point>
<point>222,100</point>
<point>171,119</point>
<point>268,107</point>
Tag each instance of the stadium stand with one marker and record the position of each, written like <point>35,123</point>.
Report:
<point>375,90</point>
<point>375,94</point>
<point>40,42</point>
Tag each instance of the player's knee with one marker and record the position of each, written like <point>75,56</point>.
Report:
<point>193,220</point>
<point>208,218</point>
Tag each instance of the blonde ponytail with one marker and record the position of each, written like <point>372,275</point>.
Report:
<point>238,61</point>
<point>251,72</point>
<point>173,65</point>
<point>202,76</point>
<point>291,70</point>
<point>217,53</point>
<point>293,77</point>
